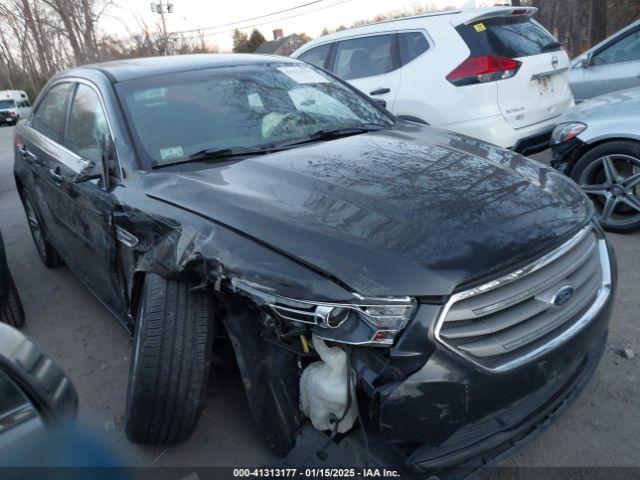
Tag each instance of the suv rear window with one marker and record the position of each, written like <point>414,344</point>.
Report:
<point>507,37</point>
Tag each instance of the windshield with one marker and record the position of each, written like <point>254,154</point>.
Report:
<point>4,104</point>
<point>174,116</point>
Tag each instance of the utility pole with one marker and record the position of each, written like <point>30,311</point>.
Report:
<point>163,7</point>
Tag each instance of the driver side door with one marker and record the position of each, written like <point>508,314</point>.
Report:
<point>85,209</point>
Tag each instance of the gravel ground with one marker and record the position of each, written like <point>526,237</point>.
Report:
<point>600,429</point>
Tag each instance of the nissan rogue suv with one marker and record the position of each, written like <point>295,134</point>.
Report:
<point>494,74</point>
<point>438,294</point>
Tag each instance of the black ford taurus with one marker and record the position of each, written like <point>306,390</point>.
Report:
<point>259,206</point>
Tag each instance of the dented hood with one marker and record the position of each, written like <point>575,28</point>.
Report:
<point>413,211</point>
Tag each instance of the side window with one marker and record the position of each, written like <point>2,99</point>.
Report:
<point>412,45</point>
<point>317,56</point>
<point>87,124</point>
<point>364,57</point>
<point>625,50</point>
<point>50,116</point>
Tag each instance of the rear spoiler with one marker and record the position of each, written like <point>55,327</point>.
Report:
<point>484,14</point>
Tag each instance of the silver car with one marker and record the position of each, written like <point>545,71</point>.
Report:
<point>597,144</point>
<point>612,65</point>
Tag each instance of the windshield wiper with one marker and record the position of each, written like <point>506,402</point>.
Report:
<point>218,154</point>
<point>333,133</point>
<point>224,154</point>
<point>550,46</point>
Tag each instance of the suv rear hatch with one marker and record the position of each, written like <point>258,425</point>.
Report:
<point>539,91</point>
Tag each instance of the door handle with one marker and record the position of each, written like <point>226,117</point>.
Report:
<point>27,155</point>
<point>380,91</point>
<point>56,175</point>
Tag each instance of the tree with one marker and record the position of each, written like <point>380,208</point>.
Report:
<point>306,37</point>
<point>240,41</point>
<point>255,40</point>
<point>598,22</point>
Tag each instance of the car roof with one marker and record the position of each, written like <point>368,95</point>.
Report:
<point>452,17</point>
<point>130,69</point>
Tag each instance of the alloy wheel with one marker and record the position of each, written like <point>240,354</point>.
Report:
<point>613,183</point>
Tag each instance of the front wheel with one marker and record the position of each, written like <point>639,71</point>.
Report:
<point>170,362</point>
<point>610,175</point>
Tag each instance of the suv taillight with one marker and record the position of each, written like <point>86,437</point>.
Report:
<point>483,69</point>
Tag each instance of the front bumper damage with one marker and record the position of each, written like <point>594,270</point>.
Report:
<point>452,420</point>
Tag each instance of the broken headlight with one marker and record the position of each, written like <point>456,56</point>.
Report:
<point>368,321</point>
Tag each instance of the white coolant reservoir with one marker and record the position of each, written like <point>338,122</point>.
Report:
<point>324,388</point>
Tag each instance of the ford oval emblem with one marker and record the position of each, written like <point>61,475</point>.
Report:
<point>563,295</point>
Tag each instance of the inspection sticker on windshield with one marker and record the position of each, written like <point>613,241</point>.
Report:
<point>480,27</point>
<point>171,153</point>
<point>302,74</point>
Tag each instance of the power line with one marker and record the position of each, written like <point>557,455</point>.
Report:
<point>189,37</point>
<point>250,19</point>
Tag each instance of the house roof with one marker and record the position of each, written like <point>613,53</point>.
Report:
<point>272,46</point>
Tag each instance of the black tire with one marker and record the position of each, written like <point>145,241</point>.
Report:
<point>589,170</point>
<point>47,253</point>
<point>13,313</point>
<point>170,362</point>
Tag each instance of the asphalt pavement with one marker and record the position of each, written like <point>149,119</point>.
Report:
<point>601,429</point>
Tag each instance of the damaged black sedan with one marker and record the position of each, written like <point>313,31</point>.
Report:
<point>441,296</point>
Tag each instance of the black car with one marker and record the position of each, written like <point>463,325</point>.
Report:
<point>11,311</point>
<point>259,204</point>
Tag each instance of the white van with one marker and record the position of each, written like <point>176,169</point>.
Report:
<point>491,73</point>
<point>14,105</point>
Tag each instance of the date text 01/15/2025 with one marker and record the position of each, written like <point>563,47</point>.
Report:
<point>316,472</point>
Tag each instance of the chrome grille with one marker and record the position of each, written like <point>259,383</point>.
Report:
<point>508,321</point>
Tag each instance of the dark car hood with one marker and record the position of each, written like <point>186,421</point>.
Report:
<point>413,211</point>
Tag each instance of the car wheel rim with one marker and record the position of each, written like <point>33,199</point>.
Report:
<point>613,183</point>
<point>34,225</point>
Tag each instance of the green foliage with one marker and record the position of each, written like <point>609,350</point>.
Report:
<point>255,40</point>
<point>240,41</point>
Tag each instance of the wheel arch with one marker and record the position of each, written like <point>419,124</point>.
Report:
<point>587,147</point>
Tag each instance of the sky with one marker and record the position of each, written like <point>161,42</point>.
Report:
<point>311,19</point>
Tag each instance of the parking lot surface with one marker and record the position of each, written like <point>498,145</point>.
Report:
<point>600,429</point>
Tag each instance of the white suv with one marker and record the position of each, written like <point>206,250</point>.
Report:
<point>14,105</point>
<point>495,73</point>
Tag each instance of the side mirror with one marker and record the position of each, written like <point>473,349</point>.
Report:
<point>585,61</point>
<point>35,393</point>
<point>102,170</point>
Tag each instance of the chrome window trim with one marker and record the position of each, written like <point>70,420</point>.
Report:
<point>603,295</point>
<point>77,80</point>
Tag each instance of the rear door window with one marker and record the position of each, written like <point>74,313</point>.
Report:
<point>317,56</point>
<point>412,45</point>
<point>507,37</point>
<point>50,116</point>
<point>625,50</point>
<point>365,57</point>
